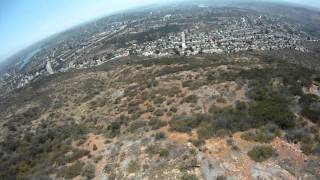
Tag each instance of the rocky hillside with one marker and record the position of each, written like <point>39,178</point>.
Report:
<point>239,116</point>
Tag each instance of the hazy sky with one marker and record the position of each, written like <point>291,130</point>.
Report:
<point>23,22</point>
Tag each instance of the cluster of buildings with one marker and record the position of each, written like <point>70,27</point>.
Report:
<point>106,41</point>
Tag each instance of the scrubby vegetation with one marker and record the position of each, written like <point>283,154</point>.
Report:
<point>156,123</point>
<point>189,177</point>
<point>27,157</point>
<point>264,135</point>
<point>191,99</point>
<point>71,171</point>
<point>156,150</point>
<point>273,110</point>
<point>261,153</point>
<point>184,123</point>
<point>163,100</point>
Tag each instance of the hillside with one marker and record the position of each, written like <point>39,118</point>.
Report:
<point>235,116</point>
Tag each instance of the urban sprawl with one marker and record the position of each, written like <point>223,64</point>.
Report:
<point>158,35</point>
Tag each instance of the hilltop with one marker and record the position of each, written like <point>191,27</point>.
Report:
<point>202,117</point>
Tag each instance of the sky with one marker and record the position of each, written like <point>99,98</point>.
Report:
<point>24,22</point>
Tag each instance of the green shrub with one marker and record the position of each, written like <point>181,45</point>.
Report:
<point>191,99</point>
<point>206,130</point>
<point>308,148</point>
<point>173,109</point>
<point>136,125</point>
<point>241,106</point>
<point>193,84</point>
<point>258,136</point>
<point>261,153</point>
<point>133,166</point>
<point>273,110</point>
<point>150,108</point>
<point>152,83</point>
<point>214,109</point>
<point>156,123</point>
<point>221,100</point>
<point>171,92</point>
<point>163,152</point>
<point>221,177</point>
<point>186,176</point>
<point>230,142</point>
<point>299,135</point>
<point>317,79</point>
<point>89,171</point>
<point>72,171</point>
<point>159,112</point>
<point>131,91</point>
<point>159,100</point>
<point>113,129</point>
<point>155,149</point>
<point>43,148</point>
<point>159,136</point>
<point>198,142</point>
<point>310,107</point>
<point>184,123</point>
<point>77,154</point>
<point>222,133</point>
<point>228,120</point>
<point>312,114</point>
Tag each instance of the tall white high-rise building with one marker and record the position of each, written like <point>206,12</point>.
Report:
<point>183,39</point>
<point>49,67</point>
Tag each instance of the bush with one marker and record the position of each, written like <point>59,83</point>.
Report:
<point>221,177</point>
<point>159,100</point>
<point>89,171</point>
<point>171,92</point>
<point>258,136</point>
<point>230,142</point>
<point>191,99</point>
<point>308,148</point>
<point>261,153</point>
<point>156,123</point>
<point>152,83</point>
<point>159,112</point>
<point>273,110</point>
<point>214,109</point>
<point>317,79</point>
<point>173,109</point>
<point>312,114</point>
<point>131,91</point>
<point>136,125</point>
<point>310,107</point>
<point>133,166</point>
<point>133,109</point>
<point>43,148</point>
<point>160,136</point>
<point>113,129</point>
<point>154,149</point>
<point>198,142</point>
<point>184,123</point>
<point>206,130</point>
<point>186,176</point>
<point>299,135</point>
<point>221,100</point>
<point>72,171</point>
<point>221,133</point>
<point>77,154</point>
<point>150,108</point>
<point>163,153</point>
<point>240,106</point>
<point>193,84</point>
